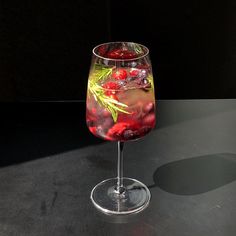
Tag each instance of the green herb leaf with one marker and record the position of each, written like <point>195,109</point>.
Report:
<point>100,73</point>
<point>138,49</point>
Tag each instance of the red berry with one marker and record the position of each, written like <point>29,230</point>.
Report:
<point>93,129</point>
<point>94,111</point>
<point>121,54</point>
<point>115,54</point>
<point>134,72</point>
<point>119,74</point>
<point>102,50</point>
<point>128,55</point>
<point>149,107</point>
<point>117,129</point>
<point>111,86</point>
<point>149,120</point>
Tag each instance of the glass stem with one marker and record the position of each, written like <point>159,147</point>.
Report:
<point>120,168</point>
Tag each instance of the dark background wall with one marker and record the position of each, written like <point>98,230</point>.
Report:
<point>46,46</point>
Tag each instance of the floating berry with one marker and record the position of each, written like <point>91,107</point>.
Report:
<point>117,129</point>
<point>149,120</point>
<point>128,55</point>
<point>93,129</point>
<point>111,87</point>
<point>102,50</point>
<point>119,74</point>
<point>94,111</point>
<point>115,54</point>
<point>123,130</point>
<point>121,54</point>
<point>134,72</point>
<point>148,107</point>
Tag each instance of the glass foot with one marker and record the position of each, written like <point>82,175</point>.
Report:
<point>134,198</point>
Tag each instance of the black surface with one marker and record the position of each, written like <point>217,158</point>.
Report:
<point>39,129</point>
<point>188,162</point>
<point>46,45</point>
<point>192,44</point>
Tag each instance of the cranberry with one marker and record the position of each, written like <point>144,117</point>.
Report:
<point>94,111</point>
<point>118,129</point>
<point>134,72</point>
<point>148,107</point>
<point>102,50</point>
<point>119,74</point>
<point>115,54</point>
<point>111,87</point>
<point>121,54</point>
<point>149,120</point>
<point>128,55</point>
<point>93,129</point>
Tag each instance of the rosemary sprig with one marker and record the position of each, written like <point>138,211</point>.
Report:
<point>138,49</point>
<point>100,73</point>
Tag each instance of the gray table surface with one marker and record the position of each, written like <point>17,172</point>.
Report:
<point>188,162</point>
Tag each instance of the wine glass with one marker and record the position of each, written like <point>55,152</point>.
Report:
<point>120,106</point>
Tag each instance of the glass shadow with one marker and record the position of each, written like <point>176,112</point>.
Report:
<point>196,175</point>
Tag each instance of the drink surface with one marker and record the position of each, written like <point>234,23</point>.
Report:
<point>120,102</point>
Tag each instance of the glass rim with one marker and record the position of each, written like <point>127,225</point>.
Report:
<point>129,59</point>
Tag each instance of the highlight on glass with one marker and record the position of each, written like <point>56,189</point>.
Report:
<point>120,106</point>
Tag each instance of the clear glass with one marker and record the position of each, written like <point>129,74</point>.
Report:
<point>120,107</point>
